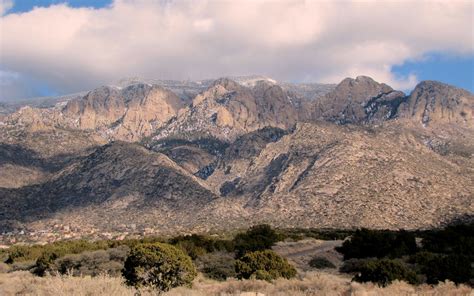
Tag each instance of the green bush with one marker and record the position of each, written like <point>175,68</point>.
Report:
<point>265,265</point>
<point>365,243</point>
<point>456,268</point>
<point>218,265</point>
<point>321,263</point>
<point>93,263</point>
<point>196,245</point>
<point>455,239</point>
<point>61,248</point>
<point>190,249</point>
<point>354,265</point>
<point>17,254</point>
<point>257,238</point>
<point>384,271</point>
<point>158,265</point>
<point>44,262</point>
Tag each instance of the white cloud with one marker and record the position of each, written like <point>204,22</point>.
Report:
<point>73,49</point>
<point>5,6</point>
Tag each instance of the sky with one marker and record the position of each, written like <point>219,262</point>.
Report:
<point>54,47</point>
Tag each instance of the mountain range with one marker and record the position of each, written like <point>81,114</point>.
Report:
<point>199,156</point>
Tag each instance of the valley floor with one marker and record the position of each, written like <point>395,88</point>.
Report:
<point>311,283</point>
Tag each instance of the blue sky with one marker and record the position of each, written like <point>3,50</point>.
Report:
<point>63,49</point>
<point>27,5</point>
<point>455,70</point>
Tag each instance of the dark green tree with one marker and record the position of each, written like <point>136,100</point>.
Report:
<point>158,265</point>
<point>384,271</point>
<point>365,243</point>
<point>257,238</point>
<point>264,265</point>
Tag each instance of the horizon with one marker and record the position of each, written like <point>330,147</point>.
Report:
<point>144,80</point>
<point>81,44</point>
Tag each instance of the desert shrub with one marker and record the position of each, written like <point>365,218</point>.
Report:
<point>420,260</point>
<point>191,249</point>
<point>320,263</point>
<point>60,248</point>
<point>22,266</point>
<point>32,253</point>
<point>4,268</point>
<point>384,271</point>
<point>264,265</point>
<point>158,265</point>
<point>92,263</point>
<point>218,265</point>
<point>196,245</point>
<point>455,239</point>
<point>453,267</point>
<point>354,265</point>
<point>365,243</point>
<point>44,262</point>
<point>322,234</point>
<point>257,238</point>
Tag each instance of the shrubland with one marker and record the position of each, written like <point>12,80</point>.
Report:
<point>378,256</point>
<point>381,256</point>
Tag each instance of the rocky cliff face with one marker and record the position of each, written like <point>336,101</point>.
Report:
<point>433,102</point>
<point>227,109</point>
<point>356,101</point>
<point>127,114</point>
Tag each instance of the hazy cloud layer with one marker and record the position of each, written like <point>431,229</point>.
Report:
<point>5,5</point>
<point>72,49</point>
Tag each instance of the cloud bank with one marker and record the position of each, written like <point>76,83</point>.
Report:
<point>72,49</point>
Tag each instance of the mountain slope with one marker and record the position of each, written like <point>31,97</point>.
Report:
<point>119,181</point>
<point>328,176</point>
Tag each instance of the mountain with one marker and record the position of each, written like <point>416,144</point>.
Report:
<point>127,114</point>
<point>324,175</point>
<point>244,150</point>
<point>433,102</point>
<point>227,110</point>
<point>360,100</point>
<point>119,181</point>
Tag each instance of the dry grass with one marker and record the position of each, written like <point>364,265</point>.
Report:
<point>315,283</point>
<point>23,283</point>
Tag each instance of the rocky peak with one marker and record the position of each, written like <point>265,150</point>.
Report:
<point>263,86</point>
<point>127,114</point>
<point>219,91</point>
<point>226,83</point>
<point>435,102</point>
<point>359,100</point>
<point>360,90</point>
<point>227,110</point>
